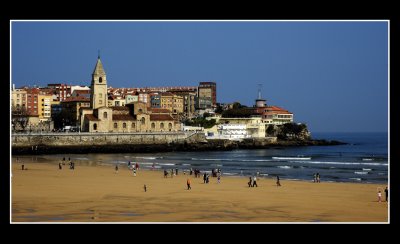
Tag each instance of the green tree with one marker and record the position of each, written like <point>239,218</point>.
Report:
<point>271,130</point>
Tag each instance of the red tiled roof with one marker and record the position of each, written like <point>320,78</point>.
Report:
<point>159,110</point>
<point>160,117</point>
<point>275,108</point>
<point>123,117</point>
<point>77,99</point>
<point>167,94</point>
<point>120,108</point>
<point>91,117</point>
<point>82,91</point>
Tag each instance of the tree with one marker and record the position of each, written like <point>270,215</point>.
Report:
<point>293,131</point>
<point>237,113</point>
<point>219,109</point>
<point>19,118</point>
<point>271,130</point>
<point>201,122</point>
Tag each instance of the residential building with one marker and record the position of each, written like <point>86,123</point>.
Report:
<point>18,98</point>
<point>172,102</point>
<point>130,98</point>
<point>44,107</point>
<point>189,102</point>
<point>32,101</point>
<point>62,91</point>
<point>207,95</point>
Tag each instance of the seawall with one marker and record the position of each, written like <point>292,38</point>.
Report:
<point>50,143</point>
<point>56,143</point>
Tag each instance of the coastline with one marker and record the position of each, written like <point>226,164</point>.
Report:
<point>98,193</point>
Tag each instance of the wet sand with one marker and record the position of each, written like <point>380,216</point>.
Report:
<point>43,193</point>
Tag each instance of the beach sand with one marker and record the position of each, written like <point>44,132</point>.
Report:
<point>43,193</point>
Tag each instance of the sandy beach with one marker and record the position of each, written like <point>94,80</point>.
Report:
<point>43,193</point>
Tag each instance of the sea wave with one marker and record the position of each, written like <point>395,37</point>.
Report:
<point>290,158</point>
<point>339,163</point>
<point>360,172</point>
<point>150,158</point>
<point>284,167</point>
<point>80,158</point>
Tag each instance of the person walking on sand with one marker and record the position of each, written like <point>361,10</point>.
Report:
<point>318,178</point>
<point>386,193</point>
<point>278,183</point>
<point>23,166</point>
<point>188,184</point>
<point>137,166</point>
<point>204,178</point>
<point>315,178</point>
<point>145,188</point>
<point>59,166</point>
<point>134,172</point>
<point>116,168</point>
<point>379,196</point>
<point>219,178</point>
<point>250,181</point>
<point>255,181</point>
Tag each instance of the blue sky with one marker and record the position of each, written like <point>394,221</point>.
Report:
<point>331,75</point>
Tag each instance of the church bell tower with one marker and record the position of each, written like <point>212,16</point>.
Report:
<point>98,88</point>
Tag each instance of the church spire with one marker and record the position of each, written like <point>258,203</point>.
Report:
<point>98,89</point>
<point>99,70</point>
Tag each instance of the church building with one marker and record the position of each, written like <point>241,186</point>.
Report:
<point>133,117</point>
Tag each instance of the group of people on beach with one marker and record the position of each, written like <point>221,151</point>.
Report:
<point>317,178</point>
<point>380,195</point>
<point>252,181</point>
<point>71,164</point>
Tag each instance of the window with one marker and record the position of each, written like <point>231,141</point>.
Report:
<point>124,125</point>
<point>105,115</point>
<point>170,125</point>
<point>140,110</point>
<point>153,126</point>
<point>162,125</point>
<point>115,125</point>
<point>133,125</point>
<point>100,79</point>
<point>94,126</point>
<point>100,101</point>
<point>143,121</point>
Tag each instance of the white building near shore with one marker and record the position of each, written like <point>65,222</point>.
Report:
<point>231,132</point>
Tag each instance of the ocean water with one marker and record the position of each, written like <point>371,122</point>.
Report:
<point>363,160</point>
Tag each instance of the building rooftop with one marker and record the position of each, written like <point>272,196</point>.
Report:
<point>161,117</point>
<point>123,117</point>
<point>91,117</point>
